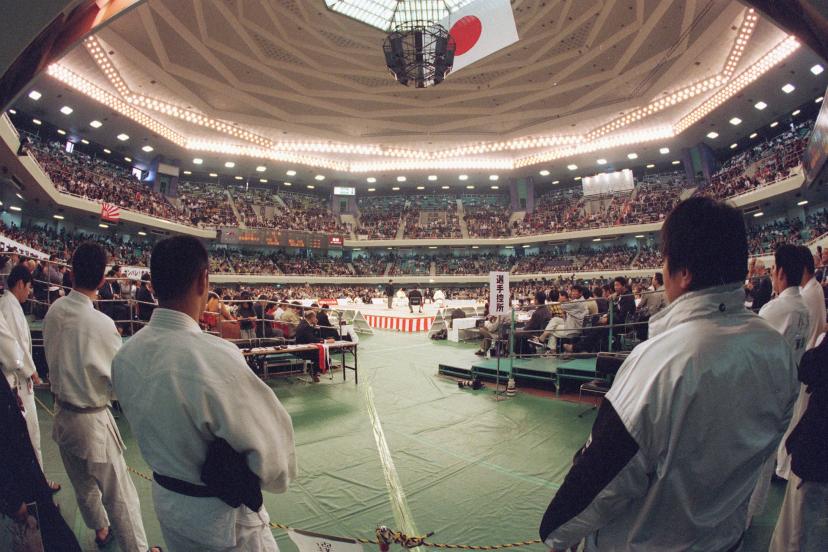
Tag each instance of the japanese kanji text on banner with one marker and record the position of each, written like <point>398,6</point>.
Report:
<point>498,293</point>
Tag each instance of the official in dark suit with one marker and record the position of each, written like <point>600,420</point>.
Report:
<point>326,328</point>
<point>415,299</point>
<point>536,324</point>
<point>307,332</point>
<point>146,299</point>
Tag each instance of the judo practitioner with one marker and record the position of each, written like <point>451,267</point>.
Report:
<point>80,343</point>
<point>18,288</point>
<point>814,298</point>
<point>183,391</point>
<point>694,412</point>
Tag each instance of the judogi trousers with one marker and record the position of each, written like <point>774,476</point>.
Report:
<point>248,539</point>
<point>192,524</point>
<point>104,491</point>
<point>32,424</point>
<point>803,518</point>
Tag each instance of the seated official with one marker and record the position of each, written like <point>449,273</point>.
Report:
<point>145,298</point>
<point>247,317</point>
<point>326,329</point>
<point>489,331</point>
<point>306,333</point>
<point>536,325</point>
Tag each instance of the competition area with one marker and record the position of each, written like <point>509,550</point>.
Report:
<point>499,461</point>
<point>388,451</point>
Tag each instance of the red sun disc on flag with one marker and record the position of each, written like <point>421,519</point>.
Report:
<point>466,32</point>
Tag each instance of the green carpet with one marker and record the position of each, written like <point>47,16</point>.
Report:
<point>470,469</point>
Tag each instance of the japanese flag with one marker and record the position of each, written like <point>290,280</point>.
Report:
<point>479,29</point>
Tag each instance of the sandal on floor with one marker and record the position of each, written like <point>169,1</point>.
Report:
<point>107,540</point>
<point>54,486</point>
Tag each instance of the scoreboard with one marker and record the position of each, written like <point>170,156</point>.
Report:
<point>271,237</point>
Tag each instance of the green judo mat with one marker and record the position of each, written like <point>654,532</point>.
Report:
<point>408,449</point>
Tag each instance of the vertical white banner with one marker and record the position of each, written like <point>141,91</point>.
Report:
<point>498,293</point>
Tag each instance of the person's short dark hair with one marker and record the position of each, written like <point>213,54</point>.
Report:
<point>175,265</point>
<point>262,297</point>
<point>621,280</point>
<point>145,277</point>
<point>563,293</point>
<point>88,265</point>
<point>598,291</point>
<point>540,298</point>
<point>807,258</point>
<point>708,239</point>
<point>788,258</point>
<point>659,278</point>
<point>554,295</point>
<point>18,274</point>
<point>580,289</point>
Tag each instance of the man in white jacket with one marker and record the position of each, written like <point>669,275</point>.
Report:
<point>788,314</point>
<point>182,391</point>
<point>814,298</point>
<point>80,343</point>
<point>694,412</point>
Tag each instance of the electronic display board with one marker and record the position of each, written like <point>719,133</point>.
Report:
<point>271,237</point>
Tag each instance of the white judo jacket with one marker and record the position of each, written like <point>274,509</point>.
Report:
<point>180,389</point>
<point>789,315</point>
<point>12,311</point>
<point>679,441</point>
<point>11,355</point>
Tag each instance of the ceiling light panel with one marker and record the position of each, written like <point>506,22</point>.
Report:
<point>386,14</point>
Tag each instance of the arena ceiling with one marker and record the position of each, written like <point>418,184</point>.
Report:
<point>292,83</point>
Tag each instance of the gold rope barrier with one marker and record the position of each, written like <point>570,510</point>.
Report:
<point>384,536</point>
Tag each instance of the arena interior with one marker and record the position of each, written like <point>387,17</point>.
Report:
<point>452,245</point>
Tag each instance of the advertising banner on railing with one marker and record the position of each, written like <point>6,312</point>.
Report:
<point>7,244</point>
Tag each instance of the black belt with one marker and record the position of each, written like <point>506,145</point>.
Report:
<point>183,487</point>
<point>79,409</point>
<point>738,544</point>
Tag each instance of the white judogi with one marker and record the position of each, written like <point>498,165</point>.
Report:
<point>181,389</point>
<point>705,401</point>
<point>12,311</point>
<point>814,298</point>
<point>11,355</point>
<point>788,315</point>
<point>80,343</point>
